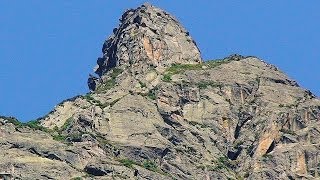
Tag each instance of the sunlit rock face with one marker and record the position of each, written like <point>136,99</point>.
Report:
<point>157,111</point>
<point>148,36</point>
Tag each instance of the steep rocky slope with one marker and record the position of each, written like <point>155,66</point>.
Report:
<point>157,111</point>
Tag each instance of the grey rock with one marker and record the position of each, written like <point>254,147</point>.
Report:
<point>92,82</point>
<point>155,112</point>
<point>148,36</point>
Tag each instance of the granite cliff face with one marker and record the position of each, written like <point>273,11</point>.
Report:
<point>157,111</point>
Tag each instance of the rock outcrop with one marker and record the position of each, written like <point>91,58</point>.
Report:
<point>158,112</point>
<point>147,37</point>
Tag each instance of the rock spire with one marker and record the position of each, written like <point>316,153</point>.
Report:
<point>147,36</point>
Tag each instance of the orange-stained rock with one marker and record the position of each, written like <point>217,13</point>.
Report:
<point>301,163</point>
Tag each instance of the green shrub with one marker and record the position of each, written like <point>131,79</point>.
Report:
<point>102,141</point>
<point>266,157</point>
<point>76,178</point>
<point>142,85</point>
<point>111,82</point>
<point>59,137</point>
<point>150,165</point>
<point>12,120</point>
<point>114,102</point>
<point>238,144</point>
<point>222,163</point>
<point>127,162</point>
<point>215,63</point>
<point>62,137</point>
<point>115,73</point>
<point>91,100</point>
<point>107,85</point>
<point>88,97</point>
<point>31,124</point>
<point>36,125</point>
<point>152,94</point>
<point>166,78</point>
<point>103,105</point>
<point>206,84</point>
<point>181,68</point>
<point>55,128</point>
<point>67,124</point>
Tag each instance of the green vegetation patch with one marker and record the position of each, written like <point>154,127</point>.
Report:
<point>62,138</point>
<point>115,101</point>
<point>206,84</point>
<point>289,105</point>
<point>12,120</point>
<point>221,163</point>
<point>181,68</point>
<point>238,144</point>
<point>115,73</point>
<point>127,162</point>
<point>67,124</point>
<point>57,133</point>
<point>106,85</point>
<point>150,165</point>
<point>59,137</point>
<point>147,164</point>
<point>102,141</point>
<point>94,101</point>
<point>167,78</point>
<point>152,94</point>
<point>77,178</point>
<point>89,98</point>
<point>266,157</point>
<point>142,84</point>
<point>215,63</point>
<point>110,83</point>
<point>35,124</point>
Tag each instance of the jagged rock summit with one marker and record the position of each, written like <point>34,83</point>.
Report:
<point>157,111</point>
<point>148,36</point>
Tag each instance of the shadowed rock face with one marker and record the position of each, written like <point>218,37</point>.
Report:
<point>158,112</point>
<point>148,36</point>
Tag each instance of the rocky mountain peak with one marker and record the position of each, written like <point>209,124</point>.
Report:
<point>158,112</point>
<point>147,37</point>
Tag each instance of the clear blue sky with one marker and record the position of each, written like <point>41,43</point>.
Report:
<point>48,48</point>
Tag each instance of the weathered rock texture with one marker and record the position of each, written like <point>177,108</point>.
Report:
<point>147,37</point>
<point>236,118</point>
